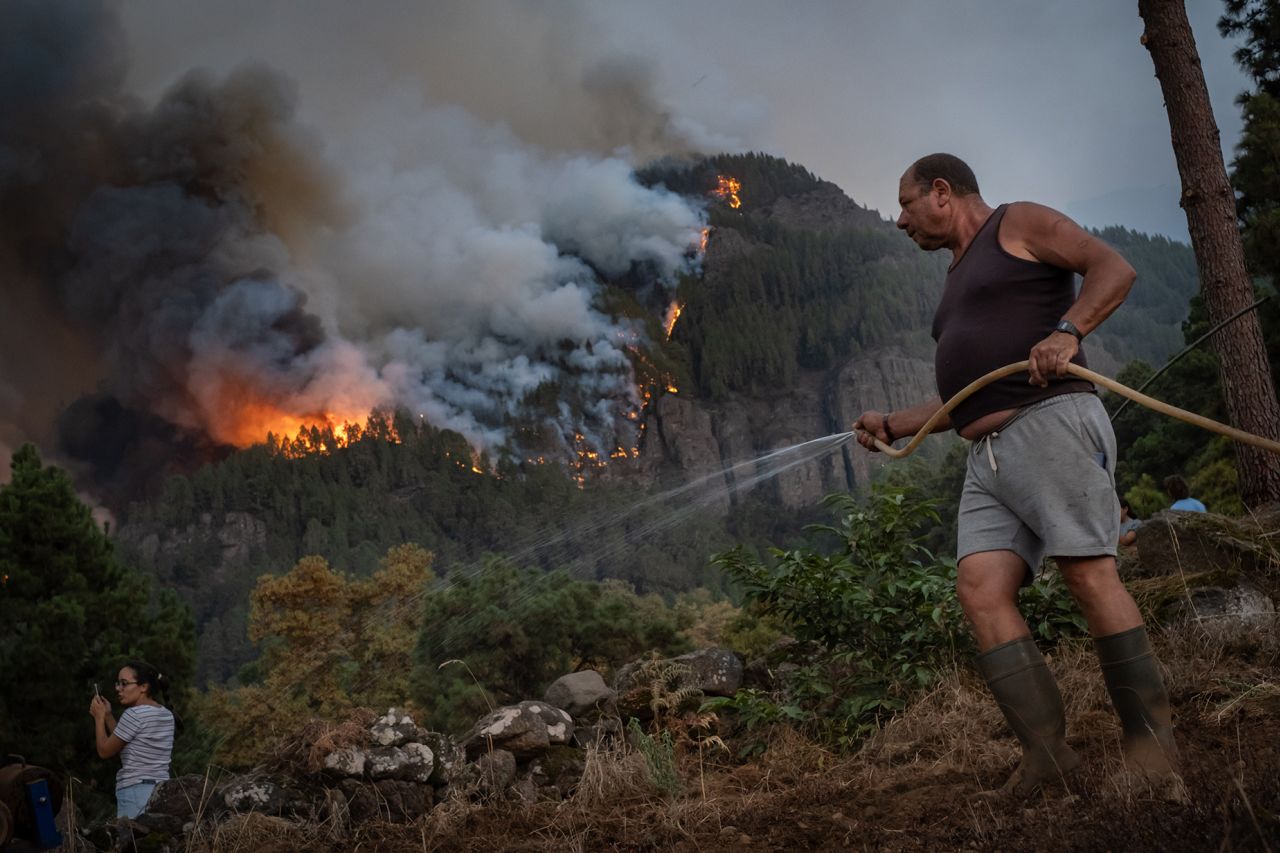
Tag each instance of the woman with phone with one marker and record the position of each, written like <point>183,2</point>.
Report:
<point>143,737</point>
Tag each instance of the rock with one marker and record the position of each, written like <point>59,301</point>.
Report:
<point>161,824</point>
<point>450,758</point>
<point>885,380</point>
<point>689,441</point>
<point>716,672</point>
<point>713,440</point>
<point>404,802</point>
<point>559,769</point>
<point>580,693</point>
<point>421,764</point>
<point>362,801</point>
<point>524,790</point>
<point>602,730</point>
<point>256,795</point>
<point>1171,543</point>
<point>385,762</point>
<point>496,771</point>
<point>184,797</point>
<point>347,762</point>
<point>1240,607</point>
<point>414,762</point>
<point>525,729</point>
<point>394,728</point>
<point>683,679</point>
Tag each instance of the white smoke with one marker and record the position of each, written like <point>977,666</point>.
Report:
<point>468,272</point>
<point>227,260</point>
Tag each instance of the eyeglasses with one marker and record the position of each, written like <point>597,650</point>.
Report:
<point>120,683</point>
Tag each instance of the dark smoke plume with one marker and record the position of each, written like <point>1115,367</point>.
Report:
<point>213,269</point>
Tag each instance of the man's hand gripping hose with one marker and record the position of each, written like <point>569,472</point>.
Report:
<point>1083,373</point>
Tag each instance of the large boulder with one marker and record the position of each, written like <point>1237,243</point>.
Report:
<point>184,797</point>
<point>1216,572</point>
<point>581,694</point>
<point>1171,543</point>
<point>524,730</point>
<point>676,682</point>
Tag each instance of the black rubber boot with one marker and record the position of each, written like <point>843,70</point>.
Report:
<point>1029,699</point>
<point>1140,699</point>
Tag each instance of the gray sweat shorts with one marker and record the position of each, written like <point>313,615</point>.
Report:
<point>1043,484</point>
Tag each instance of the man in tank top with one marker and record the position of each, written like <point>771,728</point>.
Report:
<point>1040,478</point>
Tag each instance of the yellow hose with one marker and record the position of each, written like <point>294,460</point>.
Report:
<point>1083,373</point>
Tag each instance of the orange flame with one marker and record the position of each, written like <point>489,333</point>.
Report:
<point>673,314</point>
<point>728,190</point>
<point>702,243</point>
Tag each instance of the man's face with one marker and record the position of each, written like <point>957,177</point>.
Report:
<point>923,217</point>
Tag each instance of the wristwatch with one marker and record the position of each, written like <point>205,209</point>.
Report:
<point>1070,328</point>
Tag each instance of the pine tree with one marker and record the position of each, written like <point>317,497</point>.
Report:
<point>70,615</point>
<point>1209,201</point>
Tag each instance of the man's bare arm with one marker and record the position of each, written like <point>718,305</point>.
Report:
<point>1040,233</point>
<point>901,423</point>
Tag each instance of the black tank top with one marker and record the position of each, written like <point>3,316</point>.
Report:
<point>994,309</point>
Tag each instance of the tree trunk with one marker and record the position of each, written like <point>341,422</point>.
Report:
<point>1209,203</point>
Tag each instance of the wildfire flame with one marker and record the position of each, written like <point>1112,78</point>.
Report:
<point>728,190</point>
<point>702,243</point>
<point>673,314</point>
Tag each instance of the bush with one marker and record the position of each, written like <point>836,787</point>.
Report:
<point>876,620</point>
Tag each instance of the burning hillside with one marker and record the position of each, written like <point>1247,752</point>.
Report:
<point>236,277</point>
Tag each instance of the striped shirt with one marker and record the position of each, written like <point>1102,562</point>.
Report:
<point>147,732</point>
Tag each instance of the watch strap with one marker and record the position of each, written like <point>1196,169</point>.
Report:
<point>1069,327</point>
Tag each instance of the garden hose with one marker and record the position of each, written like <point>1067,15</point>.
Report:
<point>1084,373</point>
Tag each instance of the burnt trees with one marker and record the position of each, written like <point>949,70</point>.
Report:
<point>1209,202</point>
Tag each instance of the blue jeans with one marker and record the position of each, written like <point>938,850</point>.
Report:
<point>131,800</point>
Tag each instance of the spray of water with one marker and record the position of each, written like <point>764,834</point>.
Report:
<point>662,512</point>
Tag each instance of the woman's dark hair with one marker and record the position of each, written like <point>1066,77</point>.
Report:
<point>147,674</point>
<point>1176,487</point>
<point>1124,504</point>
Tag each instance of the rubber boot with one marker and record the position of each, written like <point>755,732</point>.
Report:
<point>1029,699</point>
<point>1140,699</point>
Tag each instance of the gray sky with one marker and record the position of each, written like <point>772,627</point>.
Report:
<point>1055,102</point>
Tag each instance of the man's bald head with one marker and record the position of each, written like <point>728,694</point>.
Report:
<point>949,168</point>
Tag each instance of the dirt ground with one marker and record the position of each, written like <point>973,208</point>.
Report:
<point>913,788</point>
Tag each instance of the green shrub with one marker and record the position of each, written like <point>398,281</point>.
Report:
<point>659,753</point>
<point>876,620</point>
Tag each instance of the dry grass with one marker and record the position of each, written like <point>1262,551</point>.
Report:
<point>256,833</point>
<point>909,788</point>
<point>304,752</point>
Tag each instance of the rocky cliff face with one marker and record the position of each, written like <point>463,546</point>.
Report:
<point>713,443</point>
<point>710,441</point>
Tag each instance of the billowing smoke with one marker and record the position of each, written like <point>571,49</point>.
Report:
<point>219,270</point>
